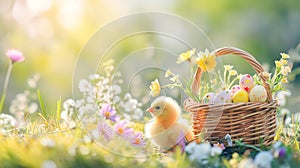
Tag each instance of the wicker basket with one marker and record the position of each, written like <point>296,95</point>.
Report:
<point>252,122</point>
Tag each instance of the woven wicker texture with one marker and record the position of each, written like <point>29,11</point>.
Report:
<point>252,122</point>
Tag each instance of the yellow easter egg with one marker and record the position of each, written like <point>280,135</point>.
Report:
<point>241,96</point>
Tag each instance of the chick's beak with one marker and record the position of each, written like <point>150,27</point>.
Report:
<point>150,109</point>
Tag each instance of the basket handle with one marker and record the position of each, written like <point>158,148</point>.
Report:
<point>245,55</point>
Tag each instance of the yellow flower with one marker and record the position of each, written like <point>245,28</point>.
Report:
<point>155,88</point>
<point>185,56</point>
<point>168,73</point>
<point>278,64</point>
<point>266,74</point>
<point>284,62</point>
<point>206,61</point>
<point>284,55</point>
<point>284,80</point>
<point>232,72</point>
<point>285,70</point>
<point>228,67</point>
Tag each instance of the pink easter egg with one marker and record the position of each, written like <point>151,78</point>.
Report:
<point>247,82</point>
<point>234,89</point>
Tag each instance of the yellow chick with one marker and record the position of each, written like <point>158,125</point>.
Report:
<point>165,130</point>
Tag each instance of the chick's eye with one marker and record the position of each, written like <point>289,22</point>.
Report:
<point>157,107</point>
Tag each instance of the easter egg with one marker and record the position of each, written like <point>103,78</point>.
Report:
<point>234,89</point>
<point>247,82</point>
<point>208,98</point>
<point>240,96</point>
<point>223,97</point>
<point>258,94</point>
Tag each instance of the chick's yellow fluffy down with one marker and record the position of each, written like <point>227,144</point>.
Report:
<point>166,129</point>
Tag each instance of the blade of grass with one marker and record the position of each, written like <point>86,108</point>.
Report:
<point>42,105</point>
<point>2,102</point>
<point>58,108</point>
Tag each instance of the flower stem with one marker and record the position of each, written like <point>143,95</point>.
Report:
<point>5,86</point>
<point>232,82</point>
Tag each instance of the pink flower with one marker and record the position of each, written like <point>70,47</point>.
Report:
<point>220,145</point>
<point>15,55</point>
<point>122,129</point>
<point>138,140</point>
<point>105,130</point>
<point>108,112</point>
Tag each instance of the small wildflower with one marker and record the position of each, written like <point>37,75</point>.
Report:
<point>15,55</point>
<point>47,142</point>
<point>190,148</point>
<point>84,86</point>
<point>203,156</point>
<point>278,64</point>
<point>94,77</point>
<point>215,151</point>
<point>284,80</point>
<point>155,88</point>
<point>122,129</point>
<point>266,74</point>
<point>264,159</point>
<point>175,78</point>
<point>233,162</point>
<point>108,112</point>
<point>185,56</point>
<point>280,152</point>
<point>168,73</point>
<point>284,55</point>
<point>228,67</point>
<point>285,70</point>
<point>68,104</point>
<point>247,163</point>
<point>138,140</point>
<point>48,164</point>
<point>105,130</point>
<point>284,62</point>
<point>232,72</point>
<point>206,61</point>
<point>181,141</point>
<point>220,145</point>
<point>235,155</point>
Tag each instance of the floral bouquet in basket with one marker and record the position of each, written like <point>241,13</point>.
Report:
<point>240,105</point>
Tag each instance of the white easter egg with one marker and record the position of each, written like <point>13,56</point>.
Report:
<point>247,82</point>
<point>208,98</point>
<point>240,96</point>
<point>234,89</point>
<point>223,97</point>
<point>258,94</point>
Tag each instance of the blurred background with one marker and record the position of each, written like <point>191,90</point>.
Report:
<point>53,33</point>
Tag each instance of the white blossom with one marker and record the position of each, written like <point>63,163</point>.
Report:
<point>263,159</point>
<point>47,142</point>
<point>215,151</point>
<point>247,163</point>
<point>84,86</point>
